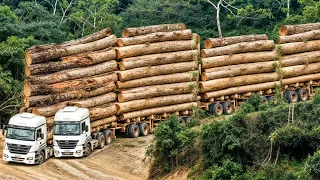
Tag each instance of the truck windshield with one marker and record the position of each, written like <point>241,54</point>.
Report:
<point>66,129</point>
<point>20,134</point>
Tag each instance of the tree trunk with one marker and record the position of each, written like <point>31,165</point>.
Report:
<point>137,31</point>
<point>155,48</point>
<point>157,70</point>
<point>296,29</point>
<point>299,70</point>
<point>75,61</point>
<point>238,70</point>
<point>234,59</point>
<point>154,102</point>
<point>299,47</point>
<point>102,122</point>
<point>104,111</point>
<point>224,83</point>
<point>155,91</point>
<point>95,101</point>
<point>40,54</point>
<point>243,47</point>
<point>71,74</point>
<point>156,37</point>
<point>302,37</point>
<point>49,110</point>
<point>87,84</point>
<point>300,79</point>
<point>159,80</point>
<point>218,42</point>
<point>300,59</point>
<point>158,110</point>
<point>158,59</point>
<point>90,38</point>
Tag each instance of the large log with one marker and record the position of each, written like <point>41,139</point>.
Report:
<point>130,32</point>
<point>71,74</point>
<point>300,79</point>
<point>157,70</point>
<point>95,101</point>
<point>158,59</point>
<point>154,48</point>
<point>237,70</point>
<point>295,29</point>
<point>263,45</point>
<point>299,70</point>
<point>158,110</point>
<point>299,47</point>
<point>158,80</point>
<point>75,61</point>
<point>218,42</point>
<point>156,91</point>
<point>50,121</point>
<point>300,59</point>
<point>90,38</point>
<point>234,59</point>
<point>102,122</point>
<point>154,102</point>
<point>156,37</point>
<point>224,83</point>
<point>49,110</point>
<point>104,111</point>
<point>87,84</point>
<point>40,54</point>
<point>302,37</point>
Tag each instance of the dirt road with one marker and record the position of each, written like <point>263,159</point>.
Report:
<point>123,159</point>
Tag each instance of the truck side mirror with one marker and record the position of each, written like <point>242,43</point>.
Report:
<point>87,128</point>
<point>42,136</point>
<point>4,129</point>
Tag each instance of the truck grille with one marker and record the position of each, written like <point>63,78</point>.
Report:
<point>65,144</point>
<point>18,148</point>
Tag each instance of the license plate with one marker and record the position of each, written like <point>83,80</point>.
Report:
<point>66,150</point>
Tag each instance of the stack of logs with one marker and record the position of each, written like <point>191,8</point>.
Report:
<point>158,72</point>
<point>80,72</point>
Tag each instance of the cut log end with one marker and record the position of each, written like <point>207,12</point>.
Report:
<point>207,44</point>
<point>118,108</point>
<point>26,102</point>
<point>26,89</point>
<point>28,57</point>
<point>36,112</point>
<point>120,43</point>
<point>27,71</point>
<point>204,77</point>
<point>283,31</point>
<point>108,32</point>
<point>122,66</point>
<point>196,38</point>
<point>203,54</point>
<point>118,54</point>
<point>120,97</point>
<point>125,33</point>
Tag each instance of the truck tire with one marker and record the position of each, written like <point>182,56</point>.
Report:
<point>87,150</point>
<point>181,121</point>
<point>228,108</point>
<point>216,109</point>
<point>272,99</point>
<point>133,130</point>
<point>108,136</point>
<point>285,95</point>
<point>143,129</point>
<point>292,96</point>
<point>101,140</point>
<point>187,119</point>
<point>264,100</point>
<point>41,157</point>
<point>303,94</point>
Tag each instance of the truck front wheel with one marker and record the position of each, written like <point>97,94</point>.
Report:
<point>41,158</point>
<point>87,150</point>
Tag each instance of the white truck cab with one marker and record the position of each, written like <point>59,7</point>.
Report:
<point>26,139</point>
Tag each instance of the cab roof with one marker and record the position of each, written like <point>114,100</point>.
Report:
<point>27,120</point>
<point>71,113</point>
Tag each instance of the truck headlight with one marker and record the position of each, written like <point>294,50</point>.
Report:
<point>56,152</point>
<point>30,158</point>
<point>6,156</point>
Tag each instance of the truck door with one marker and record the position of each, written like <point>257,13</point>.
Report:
<point>83,131</point>
<point>40,140</point>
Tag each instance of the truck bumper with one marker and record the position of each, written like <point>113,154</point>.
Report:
<point>26,159</point>
<point>77,152</point>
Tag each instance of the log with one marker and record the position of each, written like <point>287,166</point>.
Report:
<point>71,74</point>
<point>218,42</point>
<point>154,48</point>
<point>299,47</point>
<point>39,54</point>
<point>95,101</point>
<point>104,121</point>
<point>75,61</point>
<point>156,37</point>
<point>224,83</point>
<point>240,90</point>
<point>300,59</point>
<point>299,70</point>
<point>49,110</point>
<point>302,37</point>
<point>158,80</point>
<point>300,79</point>
<point>156,91</point>
<point>102,111</point>
<point>130,32</point>
<point>158,59</point>
<point>295,29</point>
<point>90,38</point>
<point>157,70</point>
<point>237,70</point>
<point>50,121</point>
<point>87,84</point>
<point>234,59</point>
<point>158,110</point>
<point>154,102</point>
<point>243,47</point>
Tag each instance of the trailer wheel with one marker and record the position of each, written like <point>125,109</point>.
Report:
<point>216,109</point>
<point>143,129</point>
<point>303,95</point>
<point>285,94</point>
<point>133,130</point>
<point>41,158</point>
<point>292,96</point>
<point>228,108</point>
<point>181,121</point>
<point>187,119</point>
<point>87,150</point>
<point>272,99</point>
<point>108,136</point>
<point>101,140</point>
<point>264,100</point>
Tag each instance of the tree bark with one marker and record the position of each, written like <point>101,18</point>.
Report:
<point>156,37</point>
<point>238,70</point>
<point>299,70</point>
<point>218,42</point>
<point>159,80</point>
<point>95,101</point>
<point>299,47</point>
<point>40,54</point>
<point>71,74</point>
<point>158,110</point>
<point>157,70</point>
<point>155,91</point>
<point>300,79</point>
<point>137,31</point>
<point>234,59</point>
<point>302,37</point>
<point>296,29</point>
<point>300,59</point>
<point>104,111</point>
<point>49,110</point>
<point>101,122</point>
<point>158,59</point>
<point>70,62</point>
<point>90,38</point>
<point>243,47</point>
<point>155,48</point>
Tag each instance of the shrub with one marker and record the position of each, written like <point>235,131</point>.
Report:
<point>313,165</point>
